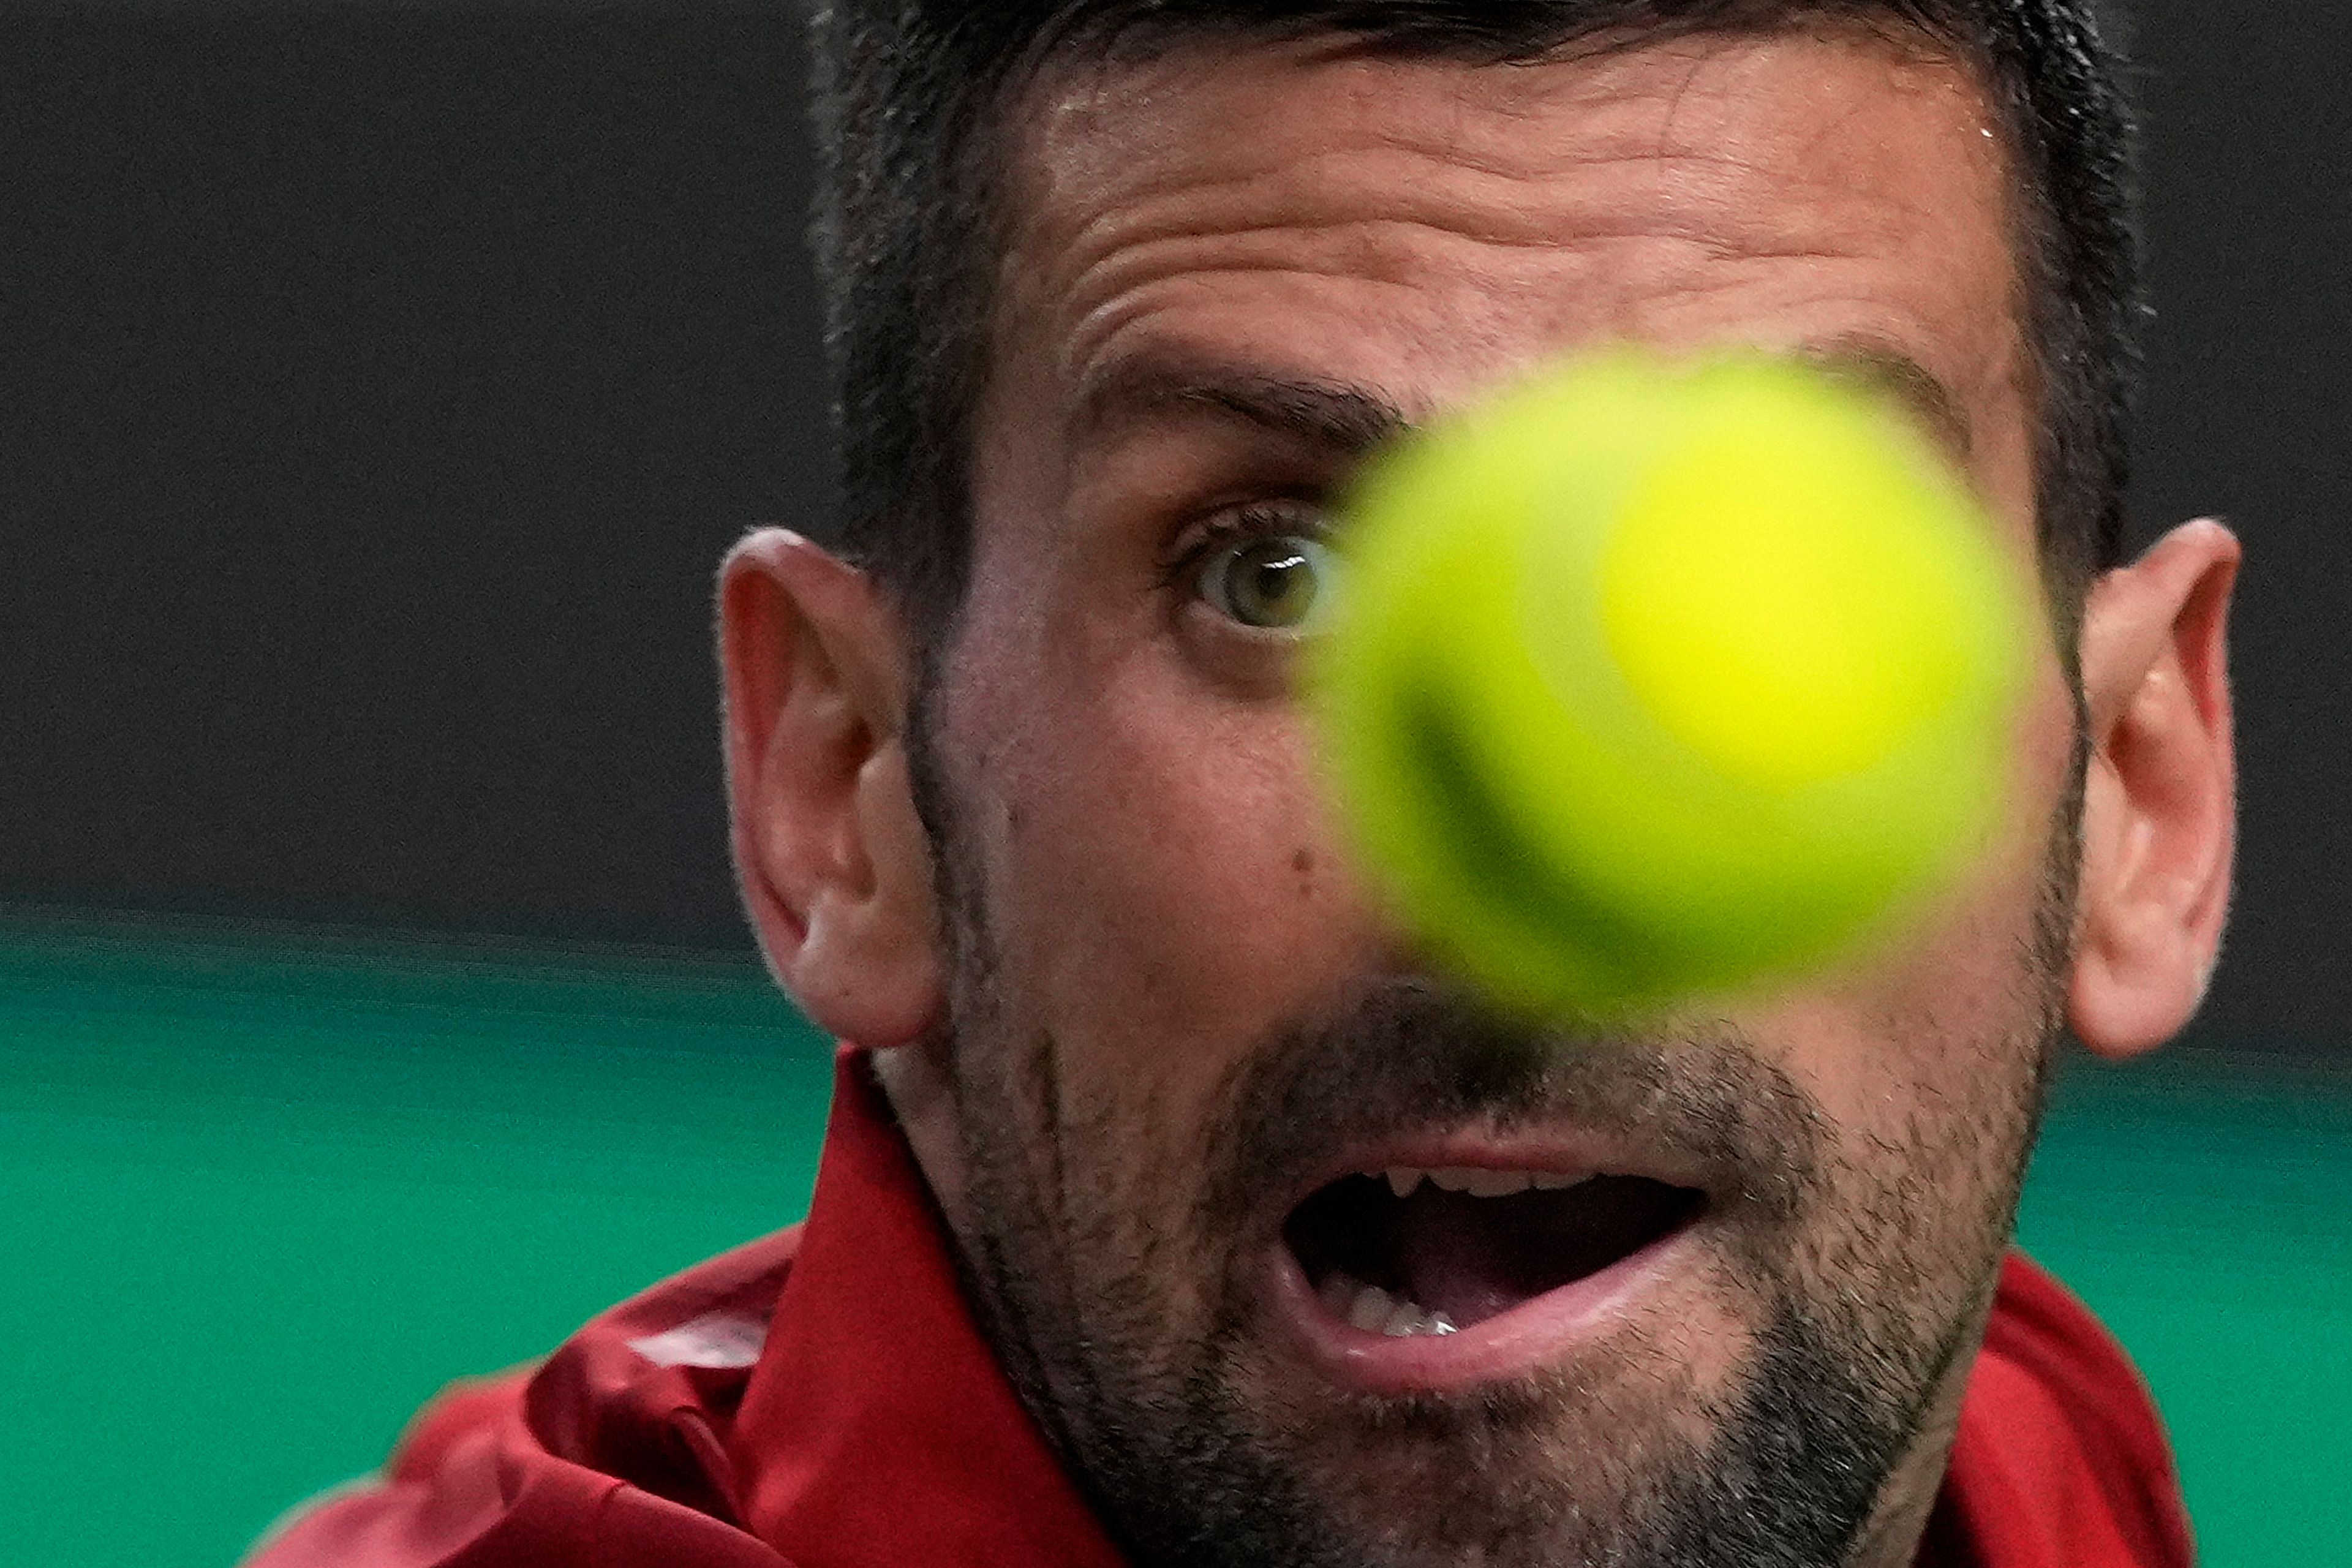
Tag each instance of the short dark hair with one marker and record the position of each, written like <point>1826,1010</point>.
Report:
<point>909,97</point>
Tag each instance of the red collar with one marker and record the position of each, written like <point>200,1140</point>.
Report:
<point>877,1431</point>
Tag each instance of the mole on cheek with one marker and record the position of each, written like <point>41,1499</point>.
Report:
<point>1303,862</point>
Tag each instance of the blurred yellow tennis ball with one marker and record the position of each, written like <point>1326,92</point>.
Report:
<point>1653,681</point>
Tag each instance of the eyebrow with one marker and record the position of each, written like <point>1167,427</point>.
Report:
<point>1879,366</point>
<point>1352,420</point>
<point>1346,419</point>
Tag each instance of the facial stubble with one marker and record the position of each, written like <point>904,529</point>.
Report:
<point>1136,1344</point>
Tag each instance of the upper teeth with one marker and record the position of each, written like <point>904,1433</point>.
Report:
<point>1479,1184</point>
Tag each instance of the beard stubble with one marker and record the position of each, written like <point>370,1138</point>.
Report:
<point>1131,1342</point>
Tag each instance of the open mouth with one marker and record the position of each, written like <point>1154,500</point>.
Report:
<point>1409,1252</point>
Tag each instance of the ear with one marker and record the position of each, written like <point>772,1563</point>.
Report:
<point>835,868</point>
<point>2160,805</point>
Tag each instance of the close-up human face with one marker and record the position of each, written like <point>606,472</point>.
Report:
<point>1700,1291</point>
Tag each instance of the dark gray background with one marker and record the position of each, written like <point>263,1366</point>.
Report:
<point>379,385</point>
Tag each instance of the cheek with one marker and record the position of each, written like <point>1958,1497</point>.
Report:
<point>1923,1057</point>
<point>1160,882</point>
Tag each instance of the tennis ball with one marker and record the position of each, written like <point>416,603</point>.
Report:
<point>1653,681</point>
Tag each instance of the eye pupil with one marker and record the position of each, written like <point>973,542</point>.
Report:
<point>1276,583</point>
<point>1272,582</point>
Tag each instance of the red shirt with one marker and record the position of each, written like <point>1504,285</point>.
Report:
<point>822,1399</point>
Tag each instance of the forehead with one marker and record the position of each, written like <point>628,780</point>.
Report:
<point>1429,227</point>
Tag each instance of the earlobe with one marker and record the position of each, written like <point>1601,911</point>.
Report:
<point>2159,803</point>
<point>835,868</point>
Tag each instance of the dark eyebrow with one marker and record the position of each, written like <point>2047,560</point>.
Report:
<point>1353,420</point>
<point>1880,366</point>
<point>1348,419</point>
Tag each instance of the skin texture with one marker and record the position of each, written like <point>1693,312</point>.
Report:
<point>1127,995</point>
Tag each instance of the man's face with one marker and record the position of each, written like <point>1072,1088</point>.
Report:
<point>1188,1054</point>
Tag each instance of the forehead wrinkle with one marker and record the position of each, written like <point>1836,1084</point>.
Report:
<point>1379,218</point>
<point>1096,296</point>
<point>1574,199</point>
<point>1401,250</point>
<point>1389,175</point>
<point>1474,118</point>
<point>1128,292</point>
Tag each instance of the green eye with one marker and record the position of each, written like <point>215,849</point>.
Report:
<point>1278,584</point>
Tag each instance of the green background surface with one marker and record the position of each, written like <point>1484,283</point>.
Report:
<point>259,1196</point>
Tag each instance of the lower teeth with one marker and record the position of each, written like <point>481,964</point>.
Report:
<point>1376,1312</point>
